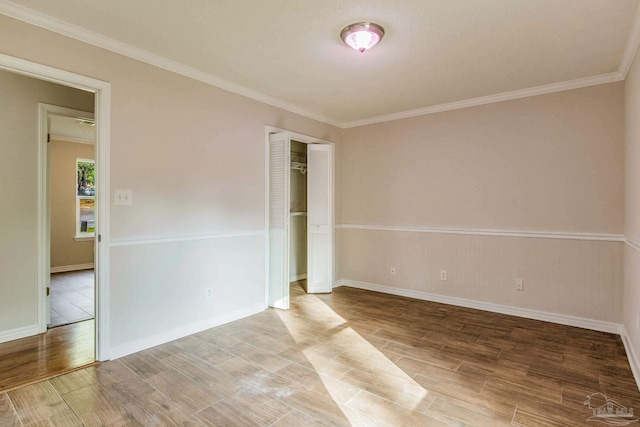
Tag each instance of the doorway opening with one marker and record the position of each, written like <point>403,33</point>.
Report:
<point>298,217</point>
<point>40,352</point>
<point>71,209</point>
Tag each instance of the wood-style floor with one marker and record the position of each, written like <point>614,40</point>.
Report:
<point>349,358</point>
<point>43,356</point>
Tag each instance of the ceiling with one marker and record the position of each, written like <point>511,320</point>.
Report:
<point>436,54</point>
<point>63,128</point>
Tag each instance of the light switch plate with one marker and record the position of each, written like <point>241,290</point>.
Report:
<point>123,197</point>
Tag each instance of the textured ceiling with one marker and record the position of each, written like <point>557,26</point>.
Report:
<point>434,52</point>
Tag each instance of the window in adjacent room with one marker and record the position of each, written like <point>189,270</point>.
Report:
<point>85,197</point>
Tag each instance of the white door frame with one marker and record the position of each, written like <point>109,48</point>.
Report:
<point>307,140</point>
<point>102,91</point>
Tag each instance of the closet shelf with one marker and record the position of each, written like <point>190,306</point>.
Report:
<point>297,213</point>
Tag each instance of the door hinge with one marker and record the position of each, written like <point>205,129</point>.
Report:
<point>48,137</point>
<point>48,290</point>
<point>99,238</point>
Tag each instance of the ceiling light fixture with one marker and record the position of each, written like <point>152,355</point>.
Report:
<point>362,35</point>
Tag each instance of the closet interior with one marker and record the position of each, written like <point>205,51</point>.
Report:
<point>298,213</point>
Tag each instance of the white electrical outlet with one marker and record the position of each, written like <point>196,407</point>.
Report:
<point>519,285</point>
<point>443,274</point>
<point>123,197</point>
<point>393,270</point>
<point>209,293</point>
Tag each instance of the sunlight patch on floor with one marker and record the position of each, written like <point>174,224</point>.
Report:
<point>331,344</point>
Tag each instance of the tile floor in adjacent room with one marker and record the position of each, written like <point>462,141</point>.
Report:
<point>72,297</point>
<point>352,357</point>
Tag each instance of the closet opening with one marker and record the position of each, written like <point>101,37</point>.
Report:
<point>298,217</point>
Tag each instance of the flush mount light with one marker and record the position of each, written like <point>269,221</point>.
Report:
<point>362,36</point>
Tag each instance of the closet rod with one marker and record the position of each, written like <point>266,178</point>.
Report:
<point>302,167</point>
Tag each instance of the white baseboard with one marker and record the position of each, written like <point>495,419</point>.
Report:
<point>17,333</point>
<point>298,277</point>
<point>631,355</point>
<point>180,332</point>
<point>316,289</point>
<point>77,267</point>
<point>563,319</point>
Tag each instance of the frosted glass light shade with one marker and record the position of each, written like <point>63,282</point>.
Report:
<point>362,35</point>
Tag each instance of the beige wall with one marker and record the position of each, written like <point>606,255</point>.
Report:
<point>19,190</point>
<point>550,163</point>
<point>569,277</point>
<point>194,157</point>
<point>298,247</point>
<point>632,212</point>
<point>547,163</point>
<point>65,251</point>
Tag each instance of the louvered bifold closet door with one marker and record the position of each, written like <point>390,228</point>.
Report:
<point>279,175</point>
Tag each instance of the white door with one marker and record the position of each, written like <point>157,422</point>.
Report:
<point>279,174</point>
<point>319,219</point>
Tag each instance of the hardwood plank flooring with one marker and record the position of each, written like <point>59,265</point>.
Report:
<point>35,358</point>
<point>352,357</point>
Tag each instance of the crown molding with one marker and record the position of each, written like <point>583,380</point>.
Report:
<point>490,99</point>
<point>64,28</point>
<point>67,29</point>
<point>631,48</point>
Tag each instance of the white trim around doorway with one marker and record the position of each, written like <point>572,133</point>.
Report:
<point>102,91</point>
